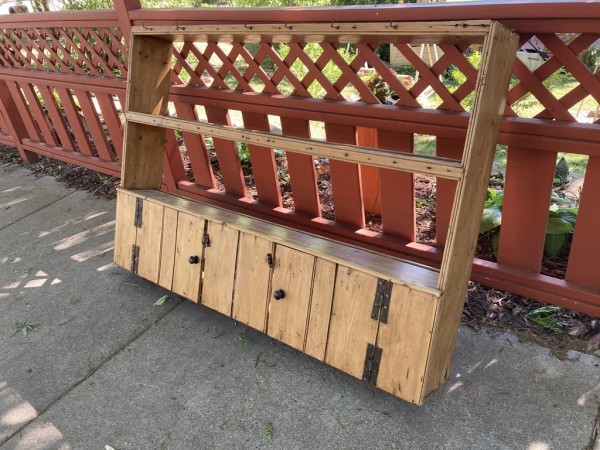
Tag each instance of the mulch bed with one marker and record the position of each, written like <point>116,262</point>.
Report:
<point>485,307</point>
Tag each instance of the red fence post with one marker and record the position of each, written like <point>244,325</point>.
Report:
<point>122,7</point>
<point>15,124</point>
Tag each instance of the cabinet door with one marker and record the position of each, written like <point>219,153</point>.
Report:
<point>320,309</point>
<point>142,233</point>
<point>148,240</point>
<point>125,230</point>
<point>404,341</point>
<point>187,268</point>
<point>352,329</point>
<point>292,278</point>
<point>252,281</point>
<point>219,267</point>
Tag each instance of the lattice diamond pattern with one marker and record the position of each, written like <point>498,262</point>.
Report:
<point>86,51</point>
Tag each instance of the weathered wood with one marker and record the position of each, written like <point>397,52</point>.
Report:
<point>169,242</point>
<point>421,32</point>
<point>494,73</point>
<point>125,231</point>
<point>187,276</point>
<point>252,279</point>
<point>320,309</point>
<point>398,270</point>
<point>149,237</point>
<point>220,256</point>
<point>293,274</point>
<point>439,167</point>
<point>147,92</point>
<point>351,327</point>
<point>404,341</point>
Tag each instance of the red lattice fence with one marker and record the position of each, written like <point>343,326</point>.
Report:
<point>65,76</point>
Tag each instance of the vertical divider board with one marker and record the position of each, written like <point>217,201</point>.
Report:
<point>386,321</point>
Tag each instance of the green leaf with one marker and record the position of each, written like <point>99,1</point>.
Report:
<point>555,198</point>
<point>269,429</point>
<point>558,224</point>
<point>495,243</point>
<point>491,218</point>
<point>544,317</point>
<point>554,243</point>
<point>161,301</point>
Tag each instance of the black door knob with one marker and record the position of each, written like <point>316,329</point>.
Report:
<point>193,260</point>
<point>279,294</point>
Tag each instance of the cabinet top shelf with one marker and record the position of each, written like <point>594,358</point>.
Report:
<point>414,275</point>
<point>470,31</point>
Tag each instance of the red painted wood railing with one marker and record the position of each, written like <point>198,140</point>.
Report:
<point>63,81</point>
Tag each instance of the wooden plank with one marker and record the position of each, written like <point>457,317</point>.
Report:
<point>227,154</point>
<point>112,120</point>
<point>219,267</point>
<point>125,230</point>
<point>149,237</point>
<point>58,121</point>
<point>38,113</point>
<point>584,258</point>
<point>186,276</point>
<point>147,92</point>
<point>93,125</point>
<point>301,169</point>
<point>525,207</point>
<point>75,121</point>
<point>263,162</point>
<point>19,124</point>
<point>445,189</point>
<point>345,180</point>
<point>367,137</point>
<point>404,341</point>
<point>287,317</point>
<point>196,149</point>
<point>24,112</point>
<point>379,265</point>
<point>439,167</point>
<point>252,279</point>
<point>168,244</point>
<point>397,189</point>
<point>492,82</point>
<point>320,309</point>
<point>471,31</point>
<point>351,327</point>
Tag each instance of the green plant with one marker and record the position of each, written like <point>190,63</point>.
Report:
<point>561,221</point>
<point>545,317</point>
<point>25,327</point>
<point>269,430</point>
<point>378,86</point>
<point>244,153</point>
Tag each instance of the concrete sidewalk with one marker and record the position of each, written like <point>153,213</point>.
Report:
<point>104,367</point>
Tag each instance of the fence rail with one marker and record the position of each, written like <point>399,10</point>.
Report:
<point>63,88</point>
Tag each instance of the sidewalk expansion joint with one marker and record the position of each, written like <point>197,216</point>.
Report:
<point>94,370</point>
<point>36,211</point>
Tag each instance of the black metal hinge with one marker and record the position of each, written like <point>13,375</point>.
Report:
<point>137,220</point>
<point>135,258</point>
<point>381,304</point>
<point>372,361</point>
<point>206,240</point>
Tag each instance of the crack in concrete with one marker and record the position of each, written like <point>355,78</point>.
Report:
<point>595,431</point>
<point>93,371</point>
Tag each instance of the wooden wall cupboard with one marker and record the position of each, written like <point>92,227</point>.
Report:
<point>337,304</point>
<point>386,321</point>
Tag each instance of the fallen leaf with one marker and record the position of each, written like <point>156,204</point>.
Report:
<point>161,301</point>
